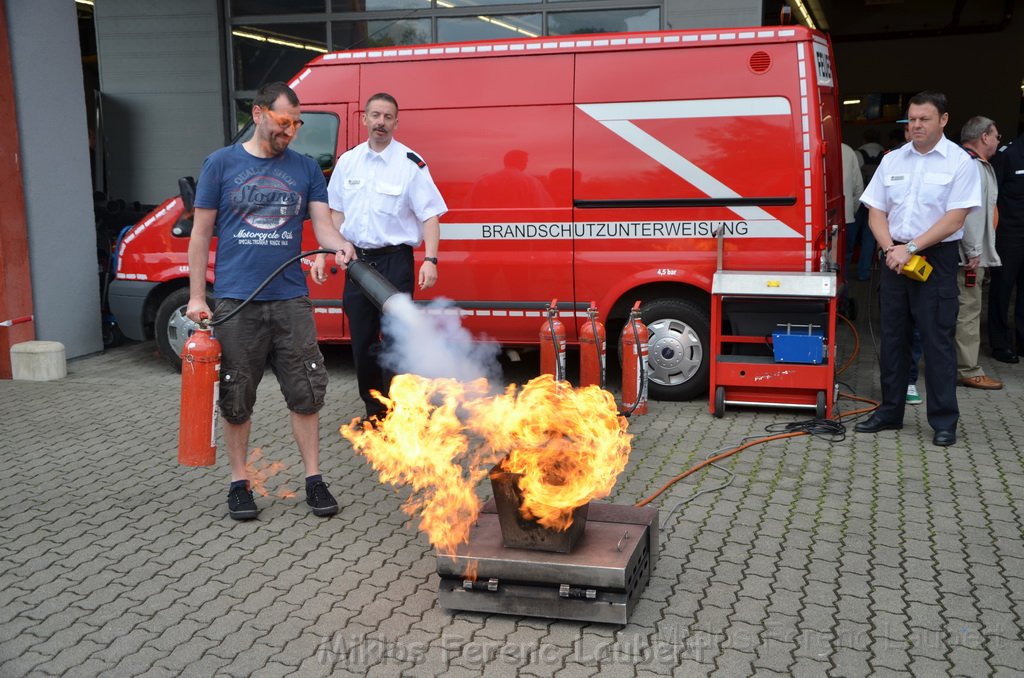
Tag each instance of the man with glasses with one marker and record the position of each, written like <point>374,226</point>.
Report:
<point>917,202</point>
<point>980,139</point>
<point>254,197</point>
<point>1008,164</point>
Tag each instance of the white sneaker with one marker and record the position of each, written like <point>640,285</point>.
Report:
<point>913,398</point>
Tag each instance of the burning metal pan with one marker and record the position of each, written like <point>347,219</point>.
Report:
<point>518,532</point>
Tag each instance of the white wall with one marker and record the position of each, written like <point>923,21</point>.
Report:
<point>50,107</point>
<point>163,101</point>
<point>683,14</point>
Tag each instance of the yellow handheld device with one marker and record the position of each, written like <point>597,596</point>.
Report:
<point>917,268</point>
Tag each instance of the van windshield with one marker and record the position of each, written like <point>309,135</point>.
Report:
<point>317,138</point>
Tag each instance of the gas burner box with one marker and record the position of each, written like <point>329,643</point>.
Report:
<point>599,578</point>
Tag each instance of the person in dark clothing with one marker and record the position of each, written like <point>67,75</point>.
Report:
<point>1006,341</point>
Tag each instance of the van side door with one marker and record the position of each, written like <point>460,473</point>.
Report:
<point>322,137</point>
<point>496,134</point>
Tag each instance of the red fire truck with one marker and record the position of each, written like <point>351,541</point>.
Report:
<point>583,168</point>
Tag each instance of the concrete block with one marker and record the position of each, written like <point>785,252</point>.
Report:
<point>38,361</point>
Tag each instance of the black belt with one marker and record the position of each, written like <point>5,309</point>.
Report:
<point>363,252</point>
<point>951,243</point>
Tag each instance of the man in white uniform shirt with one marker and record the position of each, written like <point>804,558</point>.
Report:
<point>917,202</point>
<point>385,203</point>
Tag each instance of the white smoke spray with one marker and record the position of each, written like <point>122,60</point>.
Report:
<point>430,341</point>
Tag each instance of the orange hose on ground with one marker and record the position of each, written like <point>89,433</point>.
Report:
<point>778,436</point>
<point>856,345</point>
<point>717,457</point>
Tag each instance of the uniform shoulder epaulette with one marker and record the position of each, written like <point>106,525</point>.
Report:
<point>416,159</point>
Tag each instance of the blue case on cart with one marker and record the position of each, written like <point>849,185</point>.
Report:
<point>802,344</point>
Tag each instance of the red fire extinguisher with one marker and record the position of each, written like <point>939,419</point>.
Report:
<point>552,344</point>
<point>593,348</point>
<point>200,386</point>
<point>634,363</point>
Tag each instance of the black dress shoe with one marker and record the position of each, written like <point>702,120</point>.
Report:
<point>1005,355</point>
<point>873,425</point>
<point>944,438</point>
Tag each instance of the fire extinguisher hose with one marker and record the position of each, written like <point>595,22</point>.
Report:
<point>640,365</point>
<point>597,342</point>
<point>555,345</point>
<point>277,272</point>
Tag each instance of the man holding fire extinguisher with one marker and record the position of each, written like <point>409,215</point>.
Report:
<point>255,196</point>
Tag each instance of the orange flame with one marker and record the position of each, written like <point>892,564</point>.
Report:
<point>569,445</point>
<point>259,472</point>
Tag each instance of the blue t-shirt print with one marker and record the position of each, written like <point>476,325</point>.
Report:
<point>265,202</point>
<point>261,204</point>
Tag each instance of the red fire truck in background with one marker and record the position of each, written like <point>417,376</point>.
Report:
<point>583,168</point>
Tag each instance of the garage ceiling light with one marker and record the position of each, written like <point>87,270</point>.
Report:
<point>812,13</point>
<point>278,41</point>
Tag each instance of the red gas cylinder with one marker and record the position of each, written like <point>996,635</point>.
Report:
<point>552,344</point>
<point>633,346</point>
<point>200,386</point>
<point>593,347</point>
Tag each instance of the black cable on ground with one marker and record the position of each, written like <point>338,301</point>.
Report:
<point>717,488</point>
<point>830,430</point>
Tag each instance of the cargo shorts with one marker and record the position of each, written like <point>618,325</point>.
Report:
<point>281,334</point>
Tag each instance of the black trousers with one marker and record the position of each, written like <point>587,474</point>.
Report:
<point>932,305</point>
<point>1003,280</point>
<point>364,323</point>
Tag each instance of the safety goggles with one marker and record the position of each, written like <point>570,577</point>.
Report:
<point>283,120</point>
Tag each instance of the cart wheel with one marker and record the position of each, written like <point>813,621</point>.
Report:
<point>820,407</point>
<point>719,402</point>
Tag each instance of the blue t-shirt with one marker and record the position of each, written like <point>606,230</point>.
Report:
<point>261,204</point>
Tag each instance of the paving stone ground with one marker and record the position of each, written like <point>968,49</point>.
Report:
<point>875,555</point>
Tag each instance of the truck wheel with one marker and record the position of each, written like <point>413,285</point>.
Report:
<point>678,361</point>
<point>172,328</point>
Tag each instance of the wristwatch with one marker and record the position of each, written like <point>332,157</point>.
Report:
<point>912,248</point>
<point>432,260</point>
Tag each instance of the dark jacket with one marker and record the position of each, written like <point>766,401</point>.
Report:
<point>1009,166</point>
